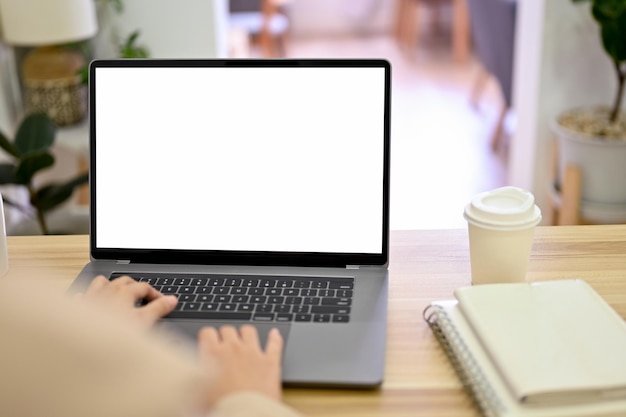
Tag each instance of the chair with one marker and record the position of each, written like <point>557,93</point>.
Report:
<point>493,32</point>
<point>408,19</point>
<point>263,21</point>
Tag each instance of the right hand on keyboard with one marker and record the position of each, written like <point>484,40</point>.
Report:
<point>240,363</point>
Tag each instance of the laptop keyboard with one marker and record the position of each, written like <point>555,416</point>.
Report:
<point>254,298</point>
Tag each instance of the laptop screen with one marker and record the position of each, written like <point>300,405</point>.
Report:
<point>260,159</point>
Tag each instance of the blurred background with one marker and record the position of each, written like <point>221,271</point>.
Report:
<point>475,84</point>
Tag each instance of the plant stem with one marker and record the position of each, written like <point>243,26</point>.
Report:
<point>40,216</point>
<point>621,75</point>
<point>42,222</point>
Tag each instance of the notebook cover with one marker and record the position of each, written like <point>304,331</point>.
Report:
<point>485,383</point>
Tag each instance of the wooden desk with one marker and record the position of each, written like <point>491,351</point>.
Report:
<point>425,265</point>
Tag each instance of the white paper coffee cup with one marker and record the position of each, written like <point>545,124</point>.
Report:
<point>501,226</point>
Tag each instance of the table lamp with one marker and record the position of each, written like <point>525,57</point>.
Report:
<point>49,72</point>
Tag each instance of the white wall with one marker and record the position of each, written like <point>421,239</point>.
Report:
<point>8,110</point>
<point>169,28</point>
<point>560,64</point>
<point>7,107</point>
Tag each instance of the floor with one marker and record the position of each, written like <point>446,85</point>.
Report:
<point>440,151</point>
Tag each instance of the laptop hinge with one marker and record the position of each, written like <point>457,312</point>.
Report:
<point>352,266</point>
<point>122,261</point>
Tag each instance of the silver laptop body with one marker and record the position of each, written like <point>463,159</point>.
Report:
<point>255,171</point>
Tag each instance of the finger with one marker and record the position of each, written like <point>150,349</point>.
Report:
<point>140,290</point>
<point>208,336</point>
<point>123,280</point>
<point>208,341</point>
<point>158,308</point>
<point>152,293</point>
<point>274,344</point>
<point>229,334</point>
<point>97,284</point>
<point>250,336</point>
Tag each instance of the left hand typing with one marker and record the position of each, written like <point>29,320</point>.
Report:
<point>122,295</point>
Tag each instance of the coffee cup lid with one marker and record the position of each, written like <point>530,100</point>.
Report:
<point>505,208</point>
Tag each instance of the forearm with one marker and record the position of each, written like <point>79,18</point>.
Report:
<point>251,404</point>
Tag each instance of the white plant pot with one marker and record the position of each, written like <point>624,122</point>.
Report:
<point>595,213</point>
<point>602,164</point>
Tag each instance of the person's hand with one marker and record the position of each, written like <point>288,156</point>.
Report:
<point>239,361</point>
<point>122,295</point>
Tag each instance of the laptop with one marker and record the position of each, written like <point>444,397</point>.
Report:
<point>257,191</point>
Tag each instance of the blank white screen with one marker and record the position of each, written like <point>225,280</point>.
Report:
<point>253,159</point>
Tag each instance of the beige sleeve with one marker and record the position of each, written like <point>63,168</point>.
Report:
<point>251,404</point>
<point>62,358</point>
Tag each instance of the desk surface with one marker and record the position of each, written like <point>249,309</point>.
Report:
<point>424,266</point>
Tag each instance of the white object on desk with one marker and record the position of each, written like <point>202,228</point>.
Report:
<point>4,255</point>
<point>544,349</point>
<point>501,228</point>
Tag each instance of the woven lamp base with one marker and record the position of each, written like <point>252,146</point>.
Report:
<point>52,86</point>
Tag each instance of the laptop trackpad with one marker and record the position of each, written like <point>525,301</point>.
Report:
<point>189,329</point>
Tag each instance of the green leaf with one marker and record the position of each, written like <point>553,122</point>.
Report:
<point>36,133</point>
<point>137,52</point>
<point>31,164</point>
<point>84,75</point>
<point>611,17</point>
<point>609,9</point>
<point>53,195</point>
<point>129,50</point>
<point>118,6</point>
<point>7,174</point>
<point>614,40</point>
<point>131,39</point>
<point>8,146</point>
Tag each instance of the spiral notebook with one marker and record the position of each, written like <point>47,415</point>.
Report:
<point>554,348</point>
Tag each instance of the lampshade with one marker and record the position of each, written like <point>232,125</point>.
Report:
<point>47,22</point>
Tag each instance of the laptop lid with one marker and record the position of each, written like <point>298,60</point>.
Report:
<point>240,162</point>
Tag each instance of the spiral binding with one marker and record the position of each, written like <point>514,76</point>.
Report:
<point>466,367</point>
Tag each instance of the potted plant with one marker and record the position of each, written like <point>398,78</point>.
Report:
<point>30,154</point>
<point>593,139</point>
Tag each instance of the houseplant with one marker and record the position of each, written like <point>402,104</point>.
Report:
<point>125,48</point>
<point>30,154</point>
<point>594,138</point>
